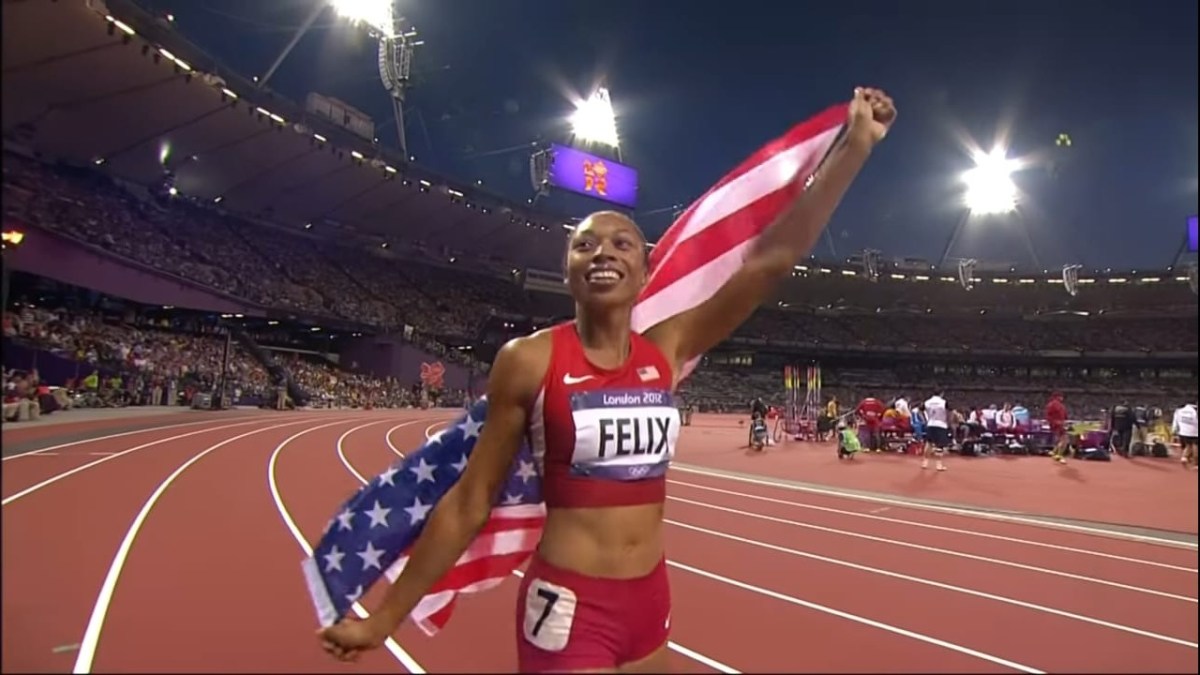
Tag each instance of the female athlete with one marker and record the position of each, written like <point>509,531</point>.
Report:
<point>595,401</point>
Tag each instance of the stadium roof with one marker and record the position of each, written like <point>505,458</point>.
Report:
<point>85,82</point>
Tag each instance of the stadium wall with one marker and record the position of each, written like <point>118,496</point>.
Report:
<point>391,356</point>
<point>68,261</point>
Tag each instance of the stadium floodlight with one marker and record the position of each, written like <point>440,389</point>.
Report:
<point>377,14</point>
<point>594,121</point>
<point>990,189</point>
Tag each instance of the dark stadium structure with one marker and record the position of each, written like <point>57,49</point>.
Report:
<point>142,170</point>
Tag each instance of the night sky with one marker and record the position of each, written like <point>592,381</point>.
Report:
<point>699,85</point>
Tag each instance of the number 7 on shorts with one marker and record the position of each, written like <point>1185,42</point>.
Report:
<point>549,613</point>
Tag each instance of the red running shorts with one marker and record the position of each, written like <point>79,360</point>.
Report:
<point>569,621</point>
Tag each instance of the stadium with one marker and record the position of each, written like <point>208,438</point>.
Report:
<point>225,311</point>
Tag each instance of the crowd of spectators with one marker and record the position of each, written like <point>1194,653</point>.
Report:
<point>133,361</point>
<point>114,360</point>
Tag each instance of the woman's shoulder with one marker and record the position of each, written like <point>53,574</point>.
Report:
<point>521,364</point>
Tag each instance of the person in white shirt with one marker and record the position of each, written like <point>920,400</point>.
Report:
<point>1006,421</point>
<point>989,417</point>
<point>937,431</point>
<point>1184,426</point>
<point>901,407</point>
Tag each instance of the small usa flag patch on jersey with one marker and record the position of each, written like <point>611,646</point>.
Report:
<point>647,373</point>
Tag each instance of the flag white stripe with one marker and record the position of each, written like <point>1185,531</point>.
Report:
<point>773,174</point>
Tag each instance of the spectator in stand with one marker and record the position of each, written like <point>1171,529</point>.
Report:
<point>20,398</point>
<point>1006,420</point>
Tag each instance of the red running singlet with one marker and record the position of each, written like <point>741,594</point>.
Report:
<point>604,437</point>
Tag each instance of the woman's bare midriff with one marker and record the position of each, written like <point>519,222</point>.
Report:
<point>616,542</point>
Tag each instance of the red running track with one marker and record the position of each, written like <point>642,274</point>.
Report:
<point>765,577</point>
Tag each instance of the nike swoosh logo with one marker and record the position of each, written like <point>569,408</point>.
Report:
<point>567,379</point>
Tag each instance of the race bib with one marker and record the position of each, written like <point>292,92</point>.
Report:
<point>623,434</point>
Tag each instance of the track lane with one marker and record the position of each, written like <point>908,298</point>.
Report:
<point>243,557</point>
<point>25,432</point>
<point>40,470</point>
<point>1031,637</point>
<point>58,545</point>
<point>1178,556</point>
<point>907,537</point>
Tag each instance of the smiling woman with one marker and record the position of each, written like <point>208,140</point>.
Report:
<point>594,400</point>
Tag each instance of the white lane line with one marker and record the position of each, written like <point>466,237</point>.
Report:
<point>91,636</point>
<point>942,551</point>
<point>341,452</point>
<point>387,438</point>
<point>397,651</point>
<point>54,479</point>
<point>939,528</point>
<point>857,619</point>
<point>984,515</point>
<point>60,446</point>
<point>937,584</point>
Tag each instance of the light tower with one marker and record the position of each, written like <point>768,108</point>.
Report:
<point>395,64</point>
<point>397,40</point>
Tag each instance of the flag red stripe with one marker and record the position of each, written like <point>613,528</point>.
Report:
<point>741,225</point>
<point>714,241</point>
<point>827,119</point>
<point>485,567</point>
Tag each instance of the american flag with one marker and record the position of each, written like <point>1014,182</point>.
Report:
<point>372,533</point>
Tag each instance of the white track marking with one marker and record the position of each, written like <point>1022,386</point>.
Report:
<point>937,584</point>
<point>984,515</point>
<point>397,651</point>
<point>940,528</point>
<point>91,636</point>
<point>32,453</point>
<point>673,646</point>
<point>387,438</point>
<point>933,549</point>
<point>54,479</point>
<point>857,619</point>
<point>341,453</point>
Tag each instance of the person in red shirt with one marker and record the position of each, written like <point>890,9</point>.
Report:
<point>1056,417</point>
<point>870,410</point>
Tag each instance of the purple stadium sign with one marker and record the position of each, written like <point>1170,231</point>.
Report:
<point>586,174</point>
<point>1192,235</point>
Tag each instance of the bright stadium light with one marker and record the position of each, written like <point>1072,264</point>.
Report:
<point>594,121</point>
<point>990,189</point>
<point>375,13</point>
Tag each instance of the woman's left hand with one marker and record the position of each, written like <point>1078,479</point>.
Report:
<point>871,114</point>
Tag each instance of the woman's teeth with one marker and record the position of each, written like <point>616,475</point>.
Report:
<point>606,276</point>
